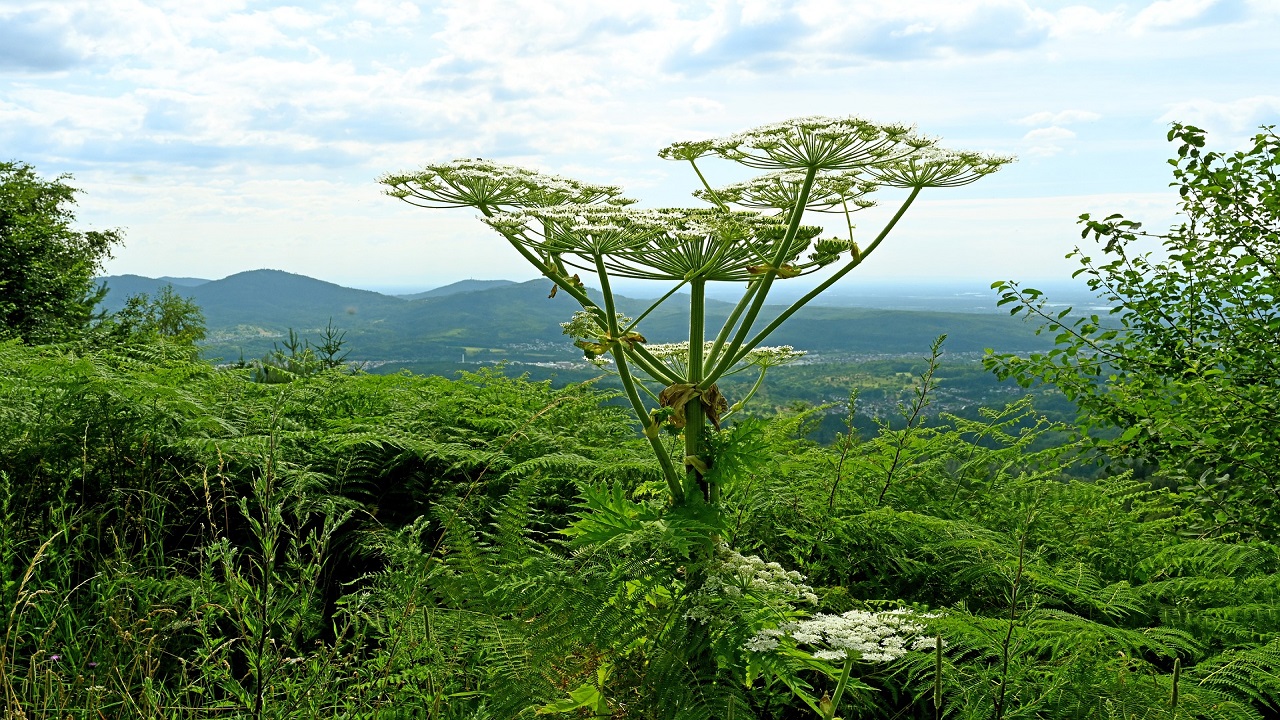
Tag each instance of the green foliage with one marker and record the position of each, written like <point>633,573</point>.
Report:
<point>1185,366</point>
<point>299,358</point>
<point>167,315</point>
<point>47,268</point>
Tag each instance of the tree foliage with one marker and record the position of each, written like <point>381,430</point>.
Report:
<point>166,315</point>
<point>47,268</point>
<point>1186,366</point>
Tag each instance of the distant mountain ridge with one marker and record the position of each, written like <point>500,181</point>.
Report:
<point>248,312</point>
<point>462,286</point>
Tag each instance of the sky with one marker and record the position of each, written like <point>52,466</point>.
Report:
<point>231,135</point>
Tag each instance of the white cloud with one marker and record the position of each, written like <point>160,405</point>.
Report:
<point>1234,119</point>
<point>1065,117</point>
<point>1189,14</point>
<point>388,10</point>
<point>1047,141</point>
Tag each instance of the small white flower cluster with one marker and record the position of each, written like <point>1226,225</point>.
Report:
<point>482,183</point>
<point>822,142</point>
<point>738,576</point>
<point>773,356</point>
<point>937,167</point>
<point>831,192</point>
<point>764,357</point>
<point>857,634</point>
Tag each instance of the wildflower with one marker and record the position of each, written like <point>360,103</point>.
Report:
<point>857,634</point>
<point>829,192</point>
<point>55,658</point>
<point>818,143</point>
<point>935,167</point>
<point>491,186</point>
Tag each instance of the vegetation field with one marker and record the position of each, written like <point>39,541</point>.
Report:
<point>1084,528</point>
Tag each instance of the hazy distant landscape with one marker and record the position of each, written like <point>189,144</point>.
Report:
<point>873,338</point>
<point>495,320</point>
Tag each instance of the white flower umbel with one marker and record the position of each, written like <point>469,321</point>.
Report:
<point>735,577</point>
<point>855,635</point>
<point>490,186</point>
<point>936,168</point>
<point>819,143</point>
<point>676,356</point>
<point>831,192</point>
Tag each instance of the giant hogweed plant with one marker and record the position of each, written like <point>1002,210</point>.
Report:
<point>752,234</point>
<point>566,228</point>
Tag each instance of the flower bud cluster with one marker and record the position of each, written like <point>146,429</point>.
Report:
<point>857,634</point>
<point>586,325</point>
<point>736,577</point>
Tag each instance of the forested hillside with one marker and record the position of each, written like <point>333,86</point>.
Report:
<point>250,313</point>
<point>293,537</point>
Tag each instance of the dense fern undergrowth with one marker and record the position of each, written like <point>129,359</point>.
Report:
<point>179,541</point>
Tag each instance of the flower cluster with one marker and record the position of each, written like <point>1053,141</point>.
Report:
<point>585,325</point>
<point>735,577</point>
<point>857,634</point>
<point>936,167</point>
<point>820,143</point>
<point>655,244</point>
<point>676,355</point>
<point>491,186</point>
<point>830,192</point>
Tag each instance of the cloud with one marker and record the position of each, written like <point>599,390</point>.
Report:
<point>33,42</point>
<point>1235,118</point>
<point>1065,117</point>
<point>1190,14</point>
<point>393,11</point>
<point>835,33</point>
<point>1045,142</point>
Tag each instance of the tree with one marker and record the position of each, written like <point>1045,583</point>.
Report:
<point>1187,366</point>
<point>167,315</point>
<point>47,268</point>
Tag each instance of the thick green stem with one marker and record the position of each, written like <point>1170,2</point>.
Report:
<point>822,287</point>
<point>766,280</point>
<point>713,356</point>
<point>840,686</point>
<point>695,427</point>
<point>629,386</point>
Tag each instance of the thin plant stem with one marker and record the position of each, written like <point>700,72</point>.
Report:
<point>766,281</point>
<point>747,398</point>
<point>712,193</point>
<point>713,356</point>
<point>743,349</point>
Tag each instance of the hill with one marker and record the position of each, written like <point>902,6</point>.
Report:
<point>248,312</point>
<point>462,286</point>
